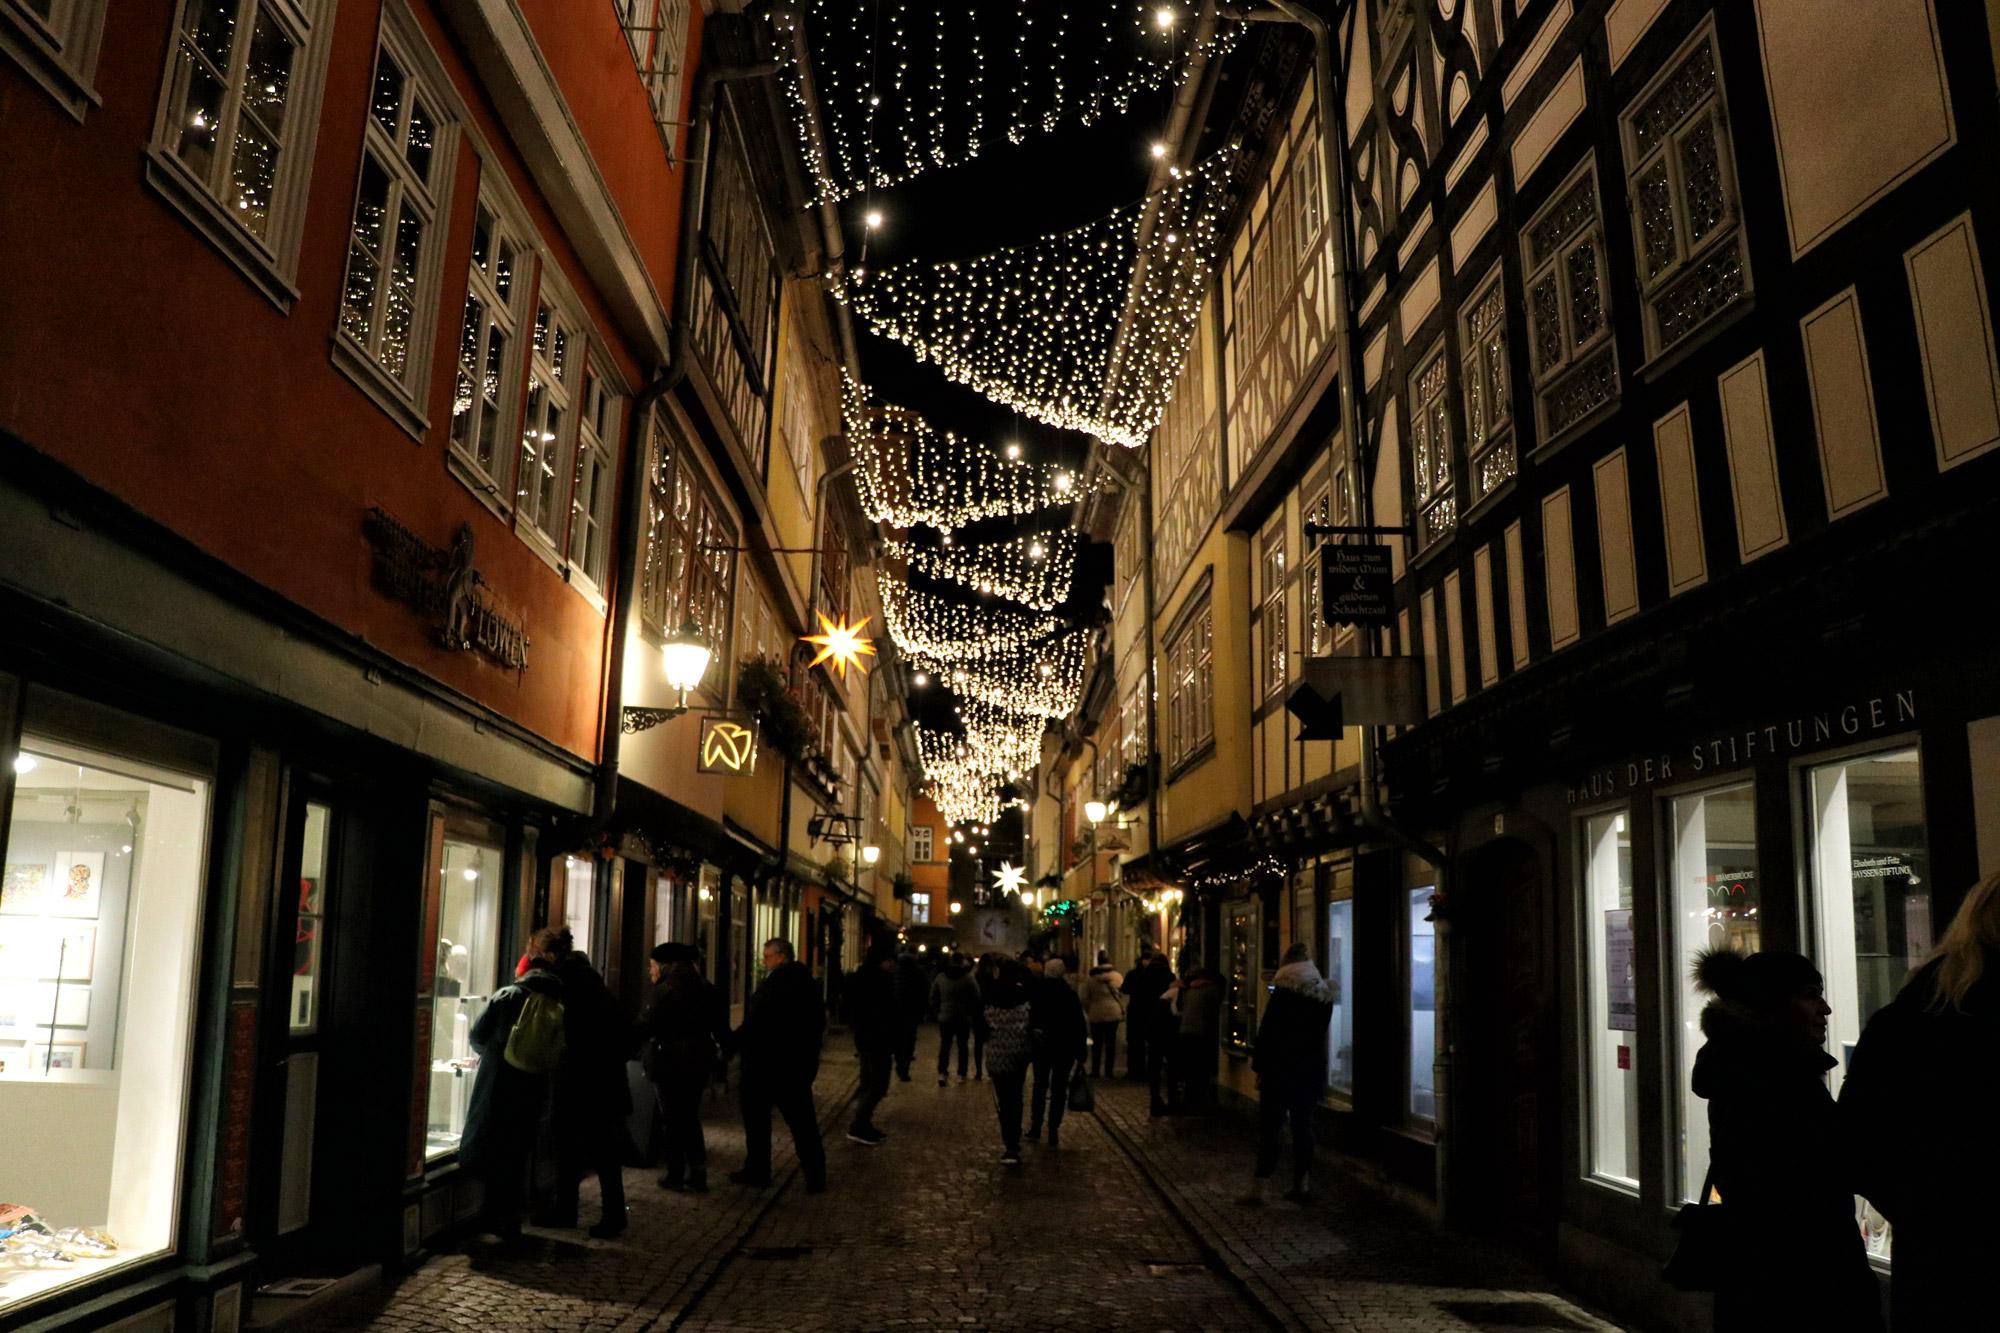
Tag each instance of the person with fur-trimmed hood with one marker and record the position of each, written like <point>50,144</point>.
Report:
<point>1290,1061</point>
<point>1774,1149</point>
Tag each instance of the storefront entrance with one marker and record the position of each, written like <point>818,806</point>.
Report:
<point>1509,1079</point>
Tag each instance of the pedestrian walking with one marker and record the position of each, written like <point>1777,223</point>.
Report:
<point>877,1021</point>
<point>1058,1035</point>
<point>1142,986</point>
<point>685,1024</point>
<point>1290,1063</point>
<point>1195,1048</point>
<point>592,1095</point>
<point>1163,1030</point>
<point>519,1039</point>
<point>1004,1019</point>
<point>913,993</point>
<point>779,1043</point>
<point>1104,1009</point>
<point>1918,1110</point>
<point>955,996</point>
<point>1774,1150</point>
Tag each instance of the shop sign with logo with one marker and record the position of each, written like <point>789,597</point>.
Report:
<point>440,584</point>
<point>728,745</point>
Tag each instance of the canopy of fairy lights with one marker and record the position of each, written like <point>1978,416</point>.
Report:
<point>1084,330</point>
<point>888,106</point>
<point>909,474</point>
<point>1033,569</point>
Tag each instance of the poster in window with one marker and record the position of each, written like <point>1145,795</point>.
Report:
<point>1621,989</point>
<point>78,884</point>
<point>21,889</point>
<point>43,950</point>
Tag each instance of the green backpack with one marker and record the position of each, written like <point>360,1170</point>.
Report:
<point>535,1045</point>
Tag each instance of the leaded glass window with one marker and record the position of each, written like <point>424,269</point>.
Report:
<point>1683,197</point>
<point>1489,410</point>
<point>1430,448</point>
<point>1569,317</point>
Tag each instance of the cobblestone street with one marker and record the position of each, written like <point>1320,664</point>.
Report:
<point>1131,1225</point>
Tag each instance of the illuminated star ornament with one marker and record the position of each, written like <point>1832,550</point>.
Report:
<point>1010,877</point>
<point>843,643</point>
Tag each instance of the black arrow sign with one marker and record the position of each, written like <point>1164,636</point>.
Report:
<point>1318,714</point>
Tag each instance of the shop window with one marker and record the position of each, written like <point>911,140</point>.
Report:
<point>1683,191</point>
<point>708,907</point>
<point>1240,956</point>
<point>1569,309</point>
<point>579,901</point>
<point>468,971</point>
<point>1871,902</point>
<point>1421,971</point>
<point>1715,905</point>
<point>100,912</point>
<point>1611,1018</point>
<point>310,944</point>
<point>389,292</point>
<point>484,395</point>
<point>1340,980</point>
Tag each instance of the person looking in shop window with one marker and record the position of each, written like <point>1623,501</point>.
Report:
<point>779,1043</point>
<point>685,1023</point>
<point>1918,1110</point>
<point>512,1082</point>
<point>592,1097</point>
<point>1290,1063</point>
<point>1774,1149</point>
<point>1195,1050</point>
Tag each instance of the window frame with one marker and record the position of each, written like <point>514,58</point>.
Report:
<point>1728,232</point>
<point>659,55</point>
<point>405,397</point>
<point>1491,374</point>
<point>1190,654</point>
<point>683,506</point>
<point>1602,345</point>
<point>60,51</point>
<point>1274,630</point>
<point>923,843</point>
<point>495,486</point>
<point>270,262</point>
<point>1412,1119</point>
<point>599,418</point>
<point>1433,491</point>
<point>1592,949</point>
<point>544,524</point>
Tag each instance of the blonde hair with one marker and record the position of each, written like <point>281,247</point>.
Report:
<point>1962,953</point>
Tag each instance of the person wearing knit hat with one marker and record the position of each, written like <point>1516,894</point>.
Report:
<point>1774,1149</point>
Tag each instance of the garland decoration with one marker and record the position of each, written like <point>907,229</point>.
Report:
<point>1084,330</point>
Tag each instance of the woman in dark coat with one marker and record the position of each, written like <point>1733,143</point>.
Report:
<point>1290,1060</point>
<point>686,1025</point>
<point>1774,1150</point>
<point>592,1096</point>
<point>1920,1110</point>
<point>506,1104</point>
<point>1004,1023</point>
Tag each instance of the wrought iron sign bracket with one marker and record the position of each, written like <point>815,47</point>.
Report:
<point>633,718</point>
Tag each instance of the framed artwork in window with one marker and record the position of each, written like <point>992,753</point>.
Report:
<point>21,889</point>
<point>77,886</point>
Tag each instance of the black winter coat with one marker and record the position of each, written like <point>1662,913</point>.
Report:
<point>1788,1190</point>
<point>1145,985</point>
<point>1055,1015</point>
<point>782,1028</point>
<point>506,1104</point>
<point>1290,1055</point>
<point>874,1009</point>
<point>685,1024</point>
<point>592,1093</point>
<point>1920,1113</point>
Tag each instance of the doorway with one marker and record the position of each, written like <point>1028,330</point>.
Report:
<point>1510,1078</point>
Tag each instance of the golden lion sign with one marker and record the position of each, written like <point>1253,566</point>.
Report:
<point>728,746</point>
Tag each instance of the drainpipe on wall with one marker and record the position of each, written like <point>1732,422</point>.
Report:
<point>632,506</point>
<point>1333,137</point>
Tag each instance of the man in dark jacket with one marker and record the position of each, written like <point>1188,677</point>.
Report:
<point>779,1041</point>
<point>1144,985</point>
<point>1058,1032</point>
<point>1290,1062</point>
<point>685,1024</point>
<point>592,1097</point>
<point>878,1025</point>
<point>506,1104</point>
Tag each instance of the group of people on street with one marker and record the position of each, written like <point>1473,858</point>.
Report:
<point>1916,1132</point>
<point>556,1041</point>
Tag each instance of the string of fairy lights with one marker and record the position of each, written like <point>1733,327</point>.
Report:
<point>1033,569</point>
<point>889,108</point>
<point>1084,330</point>
<point>910,474</point>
